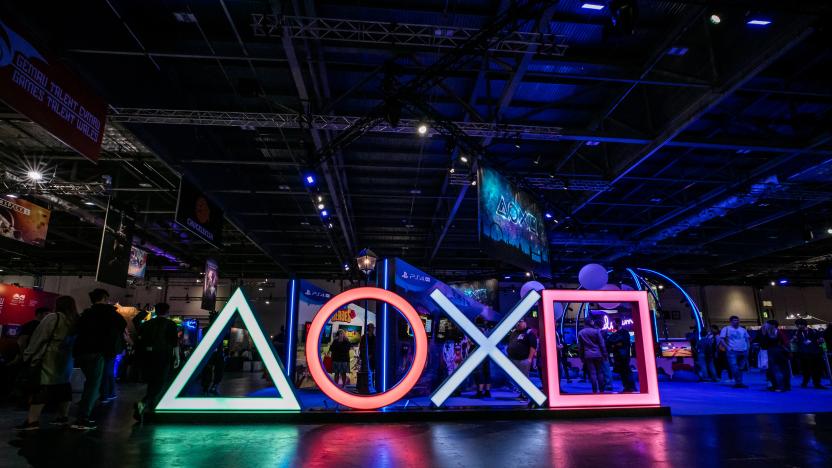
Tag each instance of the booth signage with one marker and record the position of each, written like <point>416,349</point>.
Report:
<point>486,349</point>
<point>35,84</point>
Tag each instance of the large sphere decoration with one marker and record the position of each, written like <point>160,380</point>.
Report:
<point>626,287</point>
<point>593,276</point>
<point>531,286</point>
<point>609,305</point>
<point>558,310</point>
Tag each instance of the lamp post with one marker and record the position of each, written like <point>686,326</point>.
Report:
<point>366,261</point>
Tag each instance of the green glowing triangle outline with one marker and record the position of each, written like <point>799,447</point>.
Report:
<point>287,401</point>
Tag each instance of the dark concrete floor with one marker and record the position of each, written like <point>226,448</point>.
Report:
<point>746,440</point>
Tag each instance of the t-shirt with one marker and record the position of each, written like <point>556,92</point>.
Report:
<point>158,334</point>
<point>520,344</point>
<point>340,351</point>
<point>735,338</point>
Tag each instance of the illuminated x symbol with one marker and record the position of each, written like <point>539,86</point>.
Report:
<point>487,347</point>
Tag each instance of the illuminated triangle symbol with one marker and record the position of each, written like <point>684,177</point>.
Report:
<point>287,401</point>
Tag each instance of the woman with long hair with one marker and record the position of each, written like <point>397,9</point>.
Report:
<point>49,356</point>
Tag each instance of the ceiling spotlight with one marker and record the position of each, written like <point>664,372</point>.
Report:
<point>528,274</point>
<point>11,195</point>
<point>592,6</point>
<point>422,129</point>
<point>452,170</point>
<point>89,203</point>
<point>715,19</point>
<point>783,282</point>
<point>267,302</point>
<point>506,277</point>
<point>346,267</point>
<point>829,230</point>
<point>517,145</point>
<point>463,159</point>
<point>259,289</point>
<point>473,182</point>
<point>321,206</point>
<point>548,216</point>
<point>35,176</point>
<point>329,225</point>
<point>661,286</point>
<point>320,198</point>
<point>324,213</point>
<point>758,22</point>
<point>158,287</point>
<point>309,179</point>
<point>773,283</point>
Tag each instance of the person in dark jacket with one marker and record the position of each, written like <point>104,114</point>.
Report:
<point>593,351</point>
<point>619,343</point>
<point>158,348</point>
<point>775,343</point>
<point>99,333</point>
<point>808,343</point>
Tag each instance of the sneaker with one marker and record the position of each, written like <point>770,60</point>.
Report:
<point>60,421</point>
<point>28,426</point>
<point>84,425</point>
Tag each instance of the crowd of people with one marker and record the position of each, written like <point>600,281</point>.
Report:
<point>59,340</point>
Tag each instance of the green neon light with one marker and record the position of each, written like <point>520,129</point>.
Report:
<point>288,401</point>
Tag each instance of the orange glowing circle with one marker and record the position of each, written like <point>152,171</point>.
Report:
<point>313,358</point>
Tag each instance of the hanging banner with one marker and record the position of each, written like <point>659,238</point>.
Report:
<point>35,84</point>
<point>116,245</point>
<point>138,262</point>
<point>198,214</point>
<point>209,285</point>
<point>511,224</point>
<point>23,221</point>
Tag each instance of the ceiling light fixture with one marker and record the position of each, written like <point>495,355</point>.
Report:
<point>592,6</point>
<point>463,159</point>
<point>422,129</point>
<point>715,19</point>
<point>35,176</point>
<point>758,22</point>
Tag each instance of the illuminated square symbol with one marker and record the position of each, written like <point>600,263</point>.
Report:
<point>645,355</point>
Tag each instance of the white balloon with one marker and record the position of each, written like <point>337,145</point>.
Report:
<point>593,276</point>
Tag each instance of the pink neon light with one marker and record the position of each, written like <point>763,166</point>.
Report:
<point>645,355</point>
<point>313,358</point>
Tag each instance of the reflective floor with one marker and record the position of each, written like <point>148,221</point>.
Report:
<point>747,440</point>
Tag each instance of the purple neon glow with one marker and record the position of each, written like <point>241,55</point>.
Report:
<point>758,22</point>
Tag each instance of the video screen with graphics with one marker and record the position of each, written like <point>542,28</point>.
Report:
<point>353,333</point>
<point>512,227</point>
<point>23,221</point>
<point>138,262</point>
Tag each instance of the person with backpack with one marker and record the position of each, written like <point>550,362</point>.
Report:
<point>49,359</point>
<point>158,350</point>
<point>706,356</point>
<point>100,331</point>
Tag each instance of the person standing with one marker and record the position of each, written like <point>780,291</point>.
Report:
<point>482,376</point>
<point>592,351</point>
<point>50,349</point>
<point>340,352</point>
<point>367,353</point>
<point>100,329</point>
<point>706,356</point>
<point>776,345</point>
<point>522,348</point>
<point>158,348</point>
<point>619,344</point>
<point>28,329</point>
<point>809,352</point>
<point>736,341</point>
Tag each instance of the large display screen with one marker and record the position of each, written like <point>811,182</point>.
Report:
<point>209,285</point>
<point>483,291</point>
<point>17,305</point>
<point>138,262</point>
<point>512,228</point>
<point>198,214</point>
<point>23,221</point>
<point>116,243</point>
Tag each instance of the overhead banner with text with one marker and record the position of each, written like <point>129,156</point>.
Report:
<point>511,224</point>
<point>23,221</point>
<point>198,214</point>
<point>35,84</point>
<point>116,245</point>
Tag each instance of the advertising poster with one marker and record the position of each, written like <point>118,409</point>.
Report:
<point>512,228</point>
<point>198,214</point>
<point>23,221</point>
<point>138,262</point>
<point>353,332</point>
<point>116,244</point>
<point>483,291</point>
<point>17,305</point>
<point>209,285</point>
<point>35,84</point>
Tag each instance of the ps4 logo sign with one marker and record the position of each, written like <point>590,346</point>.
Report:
<point>312,293</point>
<point>514,213</point>
<point>417,277</point>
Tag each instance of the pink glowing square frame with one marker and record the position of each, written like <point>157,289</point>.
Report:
<point>645,354</point>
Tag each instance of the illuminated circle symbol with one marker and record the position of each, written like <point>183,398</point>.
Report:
<point>380,400</point>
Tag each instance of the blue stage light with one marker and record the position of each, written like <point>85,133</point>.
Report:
<point>783,281</point>
<point>592,6</point>
<point>758,22</point>
<point>548,215</point>
<point>324,213</point>
<point>309,179</point>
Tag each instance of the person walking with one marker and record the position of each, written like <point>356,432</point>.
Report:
<point>775,343</point>
<point>340,352</point>
<point>736,341</point>
<point>619,344</point>
<point>592,351</point>
<point>158,350</point>
<point>49,351</point>
<point>99,330</point>
<point>808,343</point>
<point>706,356</point>
<point>522,348</point>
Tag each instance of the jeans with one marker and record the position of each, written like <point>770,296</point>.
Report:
<point>595,372</point>
<point>737,363</point>
<point>705,368</point>
<point>156,369</point>
<point>92,365</point>
<point>524,366</point>
<point>778,369</point>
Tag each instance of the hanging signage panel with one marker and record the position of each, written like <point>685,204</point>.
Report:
<point>36,84</point>
<point>198,214</point>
